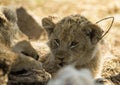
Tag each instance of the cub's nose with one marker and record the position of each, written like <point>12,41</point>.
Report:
<point>61,64</point>
<point>61,59</point>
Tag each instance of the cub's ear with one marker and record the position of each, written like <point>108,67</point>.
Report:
<point>9,14</point>
<point>93,32</point>
<point>48,24</point>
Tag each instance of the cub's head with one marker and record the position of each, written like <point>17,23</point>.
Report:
<point>72,39</point>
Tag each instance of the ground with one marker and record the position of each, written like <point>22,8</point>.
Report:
<point>94,10</point>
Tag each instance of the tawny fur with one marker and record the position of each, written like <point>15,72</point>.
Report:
<point>25,47</point>
<point>12,36</point>
<point>7,57</point>
<point>9,28</point>
<point>73,40</point>
<point>27,22</point>
<point>27,69</point>
<point>24,68</point>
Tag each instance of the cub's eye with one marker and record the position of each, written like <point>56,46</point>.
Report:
<point>73,44</point>
<point>57,42</point>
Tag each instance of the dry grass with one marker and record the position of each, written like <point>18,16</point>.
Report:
<point>94,10</point>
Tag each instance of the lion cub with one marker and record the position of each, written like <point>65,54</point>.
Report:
<point>73,41</point>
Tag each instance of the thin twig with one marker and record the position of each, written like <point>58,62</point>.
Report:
<point>109,27</point>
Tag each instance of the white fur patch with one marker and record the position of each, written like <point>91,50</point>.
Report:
<point>70,76</point>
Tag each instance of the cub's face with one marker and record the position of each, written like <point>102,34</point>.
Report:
<point>72,41</point>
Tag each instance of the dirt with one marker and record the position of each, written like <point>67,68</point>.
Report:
<point>94,10</point>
